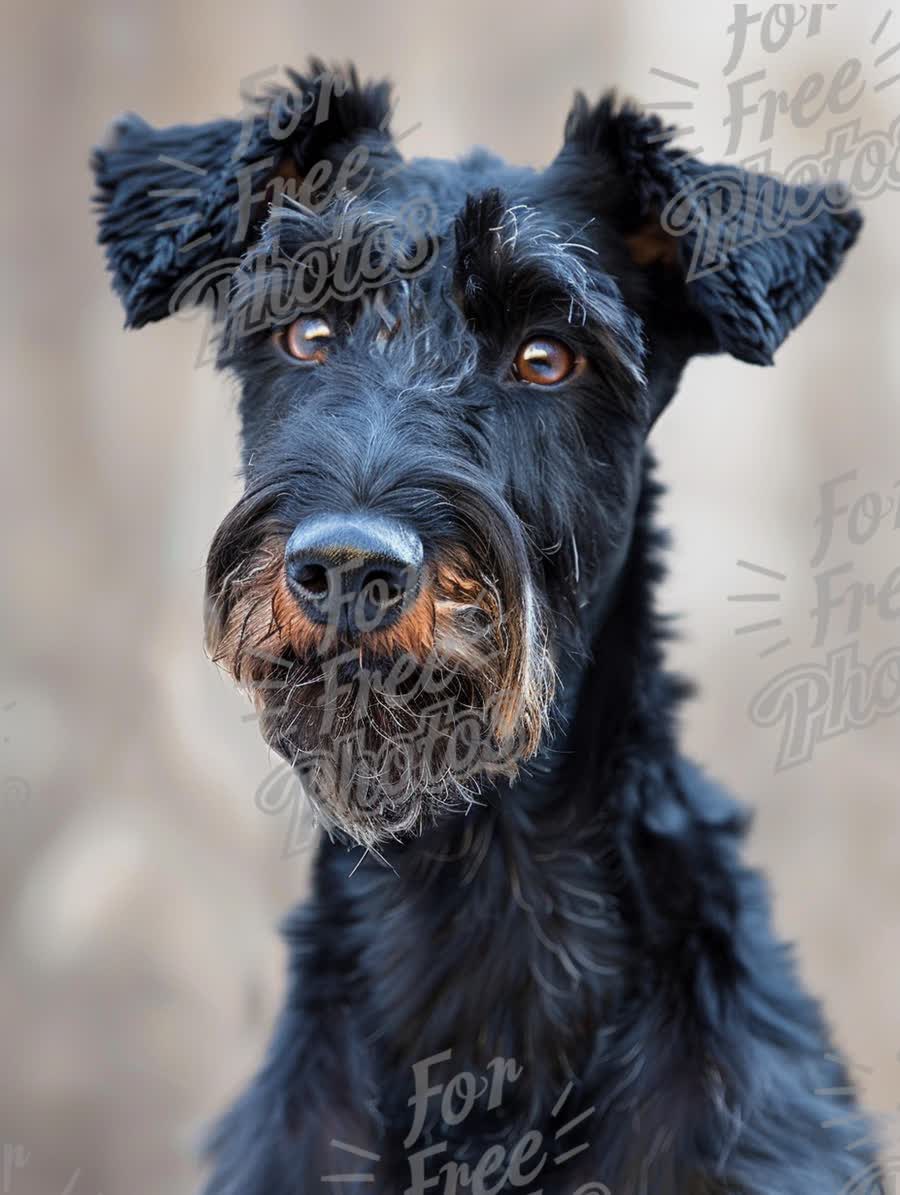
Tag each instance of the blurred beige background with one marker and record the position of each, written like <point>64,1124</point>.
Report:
<point>140,884</point>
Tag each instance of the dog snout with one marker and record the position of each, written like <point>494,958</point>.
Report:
<point>355,572</point>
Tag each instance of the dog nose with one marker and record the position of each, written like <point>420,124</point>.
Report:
<point>355,572</point>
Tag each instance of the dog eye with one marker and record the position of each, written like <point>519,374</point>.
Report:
<point>543,361</point>
<point>305,340</point>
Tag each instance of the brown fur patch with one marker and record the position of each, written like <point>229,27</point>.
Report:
<point>651,243</point>
<point>263,613</point>
<point>261,618</point>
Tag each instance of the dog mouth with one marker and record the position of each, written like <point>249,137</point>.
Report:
<point>389,727</point>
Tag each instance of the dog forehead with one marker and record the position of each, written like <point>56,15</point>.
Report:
<point>507,221</point>
<point>451,188</point>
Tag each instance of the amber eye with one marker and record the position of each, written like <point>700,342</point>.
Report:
<point>543,360</point>
<point>305,340</point>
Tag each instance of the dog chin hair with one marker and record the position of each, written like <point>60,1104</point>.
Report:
<point>390,734</point>
<point>391,775</point>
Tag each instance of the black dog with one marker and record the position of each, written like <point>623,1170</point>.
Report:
<point>533,959</point>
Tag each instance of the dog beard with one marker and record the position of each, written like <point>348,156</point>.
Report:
<point>388,732</point>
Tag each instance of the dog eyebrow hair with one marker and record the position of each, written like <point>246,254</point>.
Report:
<point>507,251</point>
<point>269,285</point>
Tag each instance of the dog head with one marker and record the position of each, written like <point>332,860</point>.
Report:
<point>448,371</point>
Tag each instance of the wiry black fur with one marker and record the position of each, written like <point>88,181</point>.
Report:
<point>591,918</point>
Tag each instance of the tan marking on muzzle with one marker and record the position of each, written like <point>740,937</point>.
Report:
<point>264,622</point>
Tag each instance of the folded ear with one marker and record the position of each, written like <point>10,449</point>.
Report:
<point>754,254</point>
<point>178,206</point>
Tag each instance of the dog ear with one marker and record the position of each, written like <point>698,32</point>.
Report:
<point>751,254</point>
<point>178,206</point>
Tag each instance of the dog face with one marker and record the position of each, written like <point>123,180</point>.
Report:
<point>447,372</point>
